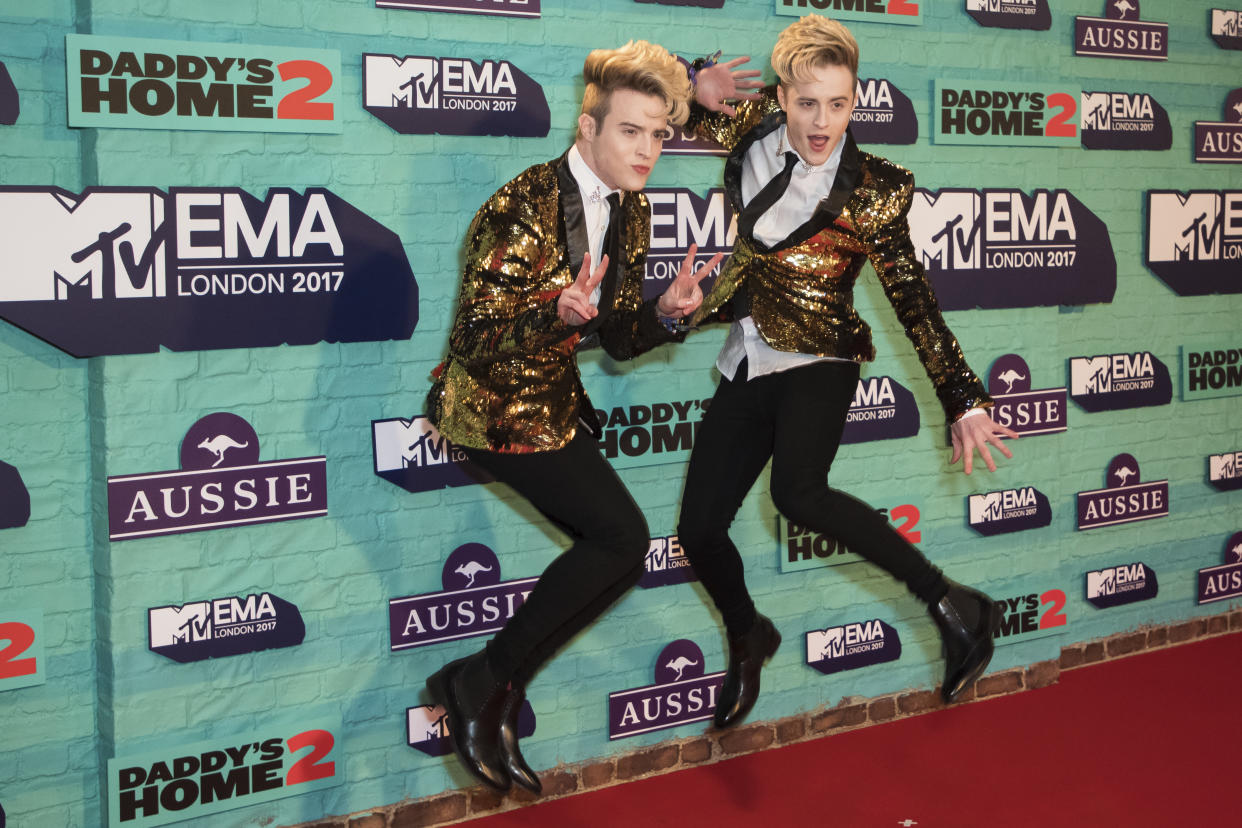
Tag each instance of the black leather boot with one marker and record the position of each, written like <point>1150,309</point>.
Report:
<point>515,763</point>
<point>966,618</point>
<point>747,652</point>
<point>475,703</point>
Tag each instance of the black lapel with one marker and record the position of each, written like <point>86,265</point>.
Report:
<point>572,215</point>
<point>848,175</point>
<point>733,165</point>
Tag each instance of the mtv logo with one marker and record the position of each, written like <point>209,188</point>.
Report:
<point>1223,466</point>
<point>945,229</point>
<point>179,625</point>
<point>401,444</point>
<point>1100,583</point>
<point>427,723</point>
<point>1097,110</point>
<point>657,555</point>
<point>1091,375</point>
<point>985,507</point>
<point>1225,22</point>
<point>408,82</point>
<point>58,245</point>
<point>824,644</point>
<point>978,5</point>
<point>1183,227</point>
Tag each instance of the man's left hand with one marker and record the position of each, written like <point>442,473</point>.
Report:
<point>715,85</point>
<point>974,433</point>
<point>684,295</point>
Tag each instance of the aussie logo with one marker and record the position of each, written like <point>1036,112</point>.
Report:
<point>210,777</point>
<point>22,662</point>
<point>853,645</point>
<point>799,548</point>
<point>1224,582</point>
<point>905,12</point>
<point>172,84</point>
<point>10,101</point>
<point>1011,14</point>
<point>645,435</point>
<point>1006,114</point>
<point>14,498</point>
<point>1194,240</point>
<point>682,693</point>
<point>474,602</point>
<point>1124,121</point>
<point>1017,406</point>
<point>221,483</point>
<point>666,564</point>
<point>1120,34</point>
<point>224,627</point>
<point>503,8</point>
<point>120,270</point>
<point>1225,471</point>
<point>1211,372</point>
<point>427,728</point>
<point>1005,249</point>
<point>1008,510</point>
<point>882,409</point>
<point>1030,615</point>
<point>1109,382</point>
<point>414,455</point>
<point>1126,499</point>
<point>1123,584</point>
<point>1220,142</point>
<point>453,96</point>
<point>883,114</point>
<point>680,218</point>
<point>1225,27</point>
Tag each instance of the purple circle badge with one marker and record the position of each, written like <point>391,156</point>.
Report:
<point>680,660</point>
<point>1122,471</point>
<point>471,565</point>
<point>1009,375</point>
<point>1233,548</point>
<point>219,440</point>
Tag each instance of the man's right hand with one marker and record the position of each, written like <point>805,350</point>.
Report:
<point>714,85</point>
<point>574,306</point>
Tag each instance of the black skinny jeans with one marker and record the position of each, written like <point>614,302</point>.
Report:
<point>795,417</point>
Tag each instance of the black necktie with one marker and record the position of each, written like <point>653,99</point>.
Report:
<point>765,198</point>
<point>612,249</point>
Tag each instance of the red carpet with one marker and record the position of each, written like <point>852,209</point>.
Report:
<point>1150,741</point>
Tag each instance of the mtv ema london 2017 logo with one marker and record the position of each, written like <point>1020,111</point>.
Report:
<point>427,728</point>
<point>679,218</point>
<point>1011,14</point>
<point>1220,142</point>
<point>1224,582</point>
<point>414,455</point>
<point>905,12</point>
<point>126,270</point>
<point>883,114</point>
<point>503,8</point>
<point>418,95</point>
<point>666,564</point>
<point>682,693</point>
<point>853,645</point>
<point>1016,406</point>
<point>1005,249</point>
<point>1124,121</point>
<point>1194,240</point>
<point>224,627</point>
<point>882,409</point>
<point>227,772</point>
<point>14,498</point>
<point>1110,382</point>
<point>1121,34</point>
<point>1209,372</point>
<point>474,602</point>
<point>799,548</point>
<point>221,483</point>
<point>1225,471</point>
<point>1006,114</point>
<point>1008,510</point>
<point>1029,616</point>
<point>1123,584</point>
<point>1125,500</point>
<point>1225,28</point>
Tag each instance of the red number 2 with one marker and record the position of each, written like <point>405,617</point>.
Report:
<point>300,104</point>
<point>1055,616</point>
<point>1060,126</point>
<point>309,767</point>
<point>20,637</point>
<point>910,513</point>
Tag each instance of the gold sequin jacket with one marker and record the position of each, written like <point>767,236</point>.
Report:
<point>801,290</point>
<point>510,382</point>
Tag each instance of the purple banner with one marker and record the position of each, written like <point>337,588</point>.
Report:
<point>1223,583</point>
<point>682,694</point>
<point>1225,29</point>
<point>1016,406</point>
<point>1111,382</point>
<point>1225,471</point>
<point>1011,14</point>
<point>883,409</point>
<point>503,8</point>
<point>224,627</point>
<point>1128,39</point>
<point>14,498</point>
<point>414,455</point>
<point>666,564</point>
<point>679,218</point>
<point>883,114</point>
<point>1194,240</point>
<point>1126,502</point>
<point>10,109</point>
<point>1124,121</point>
<point>1218,143</point>
<point>1123,584</point>
<point>427,728</point>
<point>851,646</point>
<point>1008,510</point>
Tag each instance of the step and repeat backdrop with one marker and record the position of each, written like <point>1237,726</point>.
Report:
<point>233,547</point>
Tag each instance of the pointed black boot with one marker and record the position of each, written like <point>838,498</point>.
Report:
<point>515,763</point>
<point>966,618</point>
<point>740,689</point>
<point>475,728</point>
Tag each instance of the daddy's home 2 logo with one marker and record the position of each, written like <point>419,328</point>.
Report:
<point>1225,471</point>
<point>882,409</point>
<point>224,627</point>
<point>1220,142</point>
<point>1017,406</point>
<point>680,218</point>
<point>14,498</point>
<point>1120,34</point>
<point>1211,372</point>
<point>1011,14</point>
<point>1194,240</point>
<point>1124,121</point>
<point>647,435</point>
<point>414,455</point>
<point>853,645</point>
<point>10,109</point>
<point>999,248</point>
<point>905,12</point>
<point>1008,510</point>
<point>1224,582</point>
<point>127,270</point>
<point>799,547</point>
<point>1122,584</point>
<point>427,728</point>
<point>210,777</point>
<point>666,564</point>
<point>883,114</point>
<point>1006,114</point>
<point>418,95</point>
<point>1030,615</point>
<point>682,693</point>
<point>1109,382</point>
<point>1225,27</point>
<point>173,84</point>
<point>221,484</point>
<point>1125,499</point>
<point>502,8</point>
<point>474,602</point>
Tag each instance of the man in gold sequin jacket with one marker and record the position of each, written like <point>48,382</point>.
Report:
<point>812,210</point>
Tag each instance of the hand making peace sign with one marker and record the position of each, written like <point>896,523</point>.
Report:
<point>574,304</point>
<point>684,295</point>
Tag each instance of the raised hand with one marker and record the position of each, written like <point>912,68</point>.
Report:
<point>974,433</point>
<point>684,295</point>
<point>715,85</point>
<point>574,306</point>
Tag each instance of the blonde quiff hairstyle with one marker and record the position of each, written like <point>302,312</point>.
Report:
<point>809,43</point>
<point>641,66</point>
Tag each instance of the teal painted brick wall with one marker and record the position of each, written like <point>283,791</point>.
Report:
<point>67,426</point>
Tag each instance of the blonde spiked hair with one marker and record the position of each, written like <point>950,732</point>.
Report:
<point>809,43</point>
<point>641,66</point>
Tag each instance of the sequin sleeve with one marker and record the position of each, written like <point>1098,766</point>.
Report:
<point>727,130</point>
<point>910,293</point>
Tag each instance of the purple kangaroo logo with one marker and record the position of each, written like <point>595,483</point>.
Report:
<point>679,664</point>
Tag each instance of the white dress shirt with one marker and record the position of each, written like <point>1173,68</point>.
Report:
<point>596,208</point>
